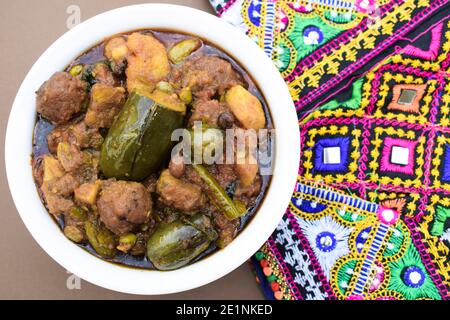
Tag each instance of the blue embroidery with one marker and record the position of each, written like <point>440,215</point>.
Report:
<point>342,143</point>
<point>337,197</point>
<point>269,28</point>
<point>413,277</point>
<point>362,238</point>
<point>254,13</point>
<point>446,170</point>
<point>312,35</point>
<point>308,206</point>
<point>326,241</point>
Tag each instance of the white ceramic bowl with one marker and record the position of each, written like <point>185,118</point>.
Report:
<point>19,146</point>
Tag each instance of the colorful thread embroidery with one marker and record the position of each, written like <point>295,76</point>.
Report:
<point>389,164</point>
<point>369,218</point>
<point>357,249</point>
<point>403,163</point>
<point>342,146</point>
<point>432,52</point>
<point>406,97</point>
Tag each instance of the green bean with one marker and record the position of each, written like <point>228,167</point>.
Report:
<point>218,196</point>
<point>240,206</point>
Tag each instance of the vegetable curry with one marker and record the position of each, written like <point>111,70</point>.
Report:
<point>103,158</point>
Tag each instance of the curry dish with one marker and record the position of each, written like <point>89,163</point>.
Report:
<point>103,158</point>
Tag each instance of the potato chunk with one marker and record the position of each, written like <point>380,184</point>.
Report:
<point>116,51</point>
<point>105,104</point>
<point>246,108</point>
<point>52,168</point>
<point>87,193</point>
<point>147,62</point>
<point>56,186</point>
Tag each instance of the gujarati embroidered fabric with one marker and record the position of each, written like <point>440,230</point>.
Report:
<point>370,216</point>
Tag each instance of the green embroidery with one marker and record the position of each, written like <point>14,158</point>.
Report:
<point>344,275</point>
<point>284,56</point>
<point>396,283</point>
<point>441,215</point>
<point>296,36</point>
<point>338,17</point>
<point>349,216</point>
<point>396,241</point>
<point>353,103</point>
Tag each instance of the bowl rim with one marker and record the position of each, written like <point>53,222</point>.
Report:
<point>76,41</point>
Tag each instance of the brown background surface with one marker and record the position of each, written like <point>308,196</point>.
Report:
<point>27,28</point>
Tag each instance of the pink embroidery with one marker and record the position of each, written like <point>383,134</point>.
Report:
<point>378,277</point>
<point>365,6</point>
<point>283,20</point>
<point>299,8</point>
<point>222,10</point>
<point>287,274</point>
<point>432,52</point>
<point>387,216</point>
<point>312,95</point>
<point>387,165</point>
<point>385,298</point>
<point>344,38</point>
<point>390,187</point>
<point>355,297</point>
